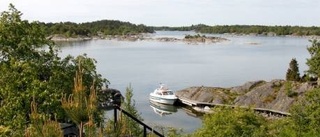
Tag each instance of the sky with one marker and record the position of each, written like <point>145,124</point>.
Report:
<point>173,12</point>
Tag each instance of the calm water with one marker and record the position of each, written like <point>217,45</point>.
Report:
<point>144,64</point>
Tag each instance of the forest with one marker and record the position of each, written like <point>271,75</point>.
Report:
<point>95,28</point>
<point>248,29</point>
<point>114,27</point>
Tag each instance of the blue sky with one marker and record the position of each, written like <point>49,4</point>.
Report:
<point>173,12</point>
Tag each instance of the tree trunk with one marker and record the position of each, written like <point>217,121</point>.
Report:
<point>81,130</point>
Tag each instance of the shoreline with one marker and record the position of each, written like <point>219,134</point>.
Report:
<point>139,37</point>
<point>147,37</point>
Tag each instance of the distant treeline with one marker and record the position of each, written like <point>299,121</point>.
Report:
<point>113,27</point>
<point>96,28</point>
<point>248,29</point>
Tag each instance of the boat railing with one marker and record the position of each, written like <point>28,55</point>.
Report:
<point>145,126</point>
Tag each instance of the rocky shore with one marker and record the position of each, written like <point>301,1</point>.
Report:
<point>139,37</point>
<point>64,38</point>
<point>276,95</point>
<point>203,39</point>
<point>188,40</point>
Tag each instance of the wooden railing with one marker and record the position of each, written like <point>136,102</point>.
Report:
<point>145,127</point>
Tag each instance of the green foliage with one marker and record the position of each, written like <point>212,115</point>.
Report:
<point>314,61</point>
<point>248,29</point>
<point>306,115</point>
<point>304,120</point>
<point>5,131</point>
<point>293,71</point>
<point>237,122</point>
<point>183,28</point>
<point>30,67</point>
<point>41,126</point>
<point>288,89</point>
<point>22,67</point>
<point>20,39</point>
<point>280,128</point>
<point>167,131</point>
<point>173,132</point>
<point>262,30</point>
<point>68,29</point>
<point>80,106</point>
<point>47,129</point>
<point>96,28</point>
<point>131,127</point>
<point>111,27</point>
<point>125,125</point>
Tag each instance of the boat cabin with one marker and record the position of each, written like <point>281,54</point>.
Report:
<point>165,92</point>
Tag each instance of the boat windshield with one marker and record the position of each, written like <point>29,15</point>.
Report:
<point>167,93</point>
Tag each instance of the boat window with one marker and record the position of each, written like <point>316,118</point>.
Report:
<point>170,93</point>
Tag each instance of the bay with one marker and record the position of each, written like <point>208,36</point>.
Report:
<point>145,64</point>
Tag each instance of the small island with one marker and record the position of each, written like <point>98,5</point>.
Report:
<point>194,39</point>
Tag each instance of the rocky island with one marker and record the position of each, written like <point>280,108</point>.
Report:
<point>194,39</point>
<point>276,95</point>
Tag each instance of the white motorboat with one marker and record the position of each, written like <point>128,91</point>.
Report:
<point>163,95</point>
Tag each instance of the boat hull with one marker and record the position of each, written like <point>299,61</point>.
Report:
<point>162,100</point>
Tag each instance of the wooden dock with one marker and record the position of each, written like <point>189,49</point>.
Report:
<point>272,112</point>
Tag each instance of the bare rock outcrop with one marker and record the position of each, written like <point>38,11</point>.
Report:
<point>276,94</point>
<point>246,87</point>
<point>205,94</point>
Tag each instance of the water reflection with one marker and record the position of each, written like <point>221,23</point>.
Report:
<point>162,109</point>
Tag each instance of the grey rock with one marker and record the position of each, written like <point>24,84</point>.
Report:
<point>246,87</point>
<point>204,94</point>
<point>273,95</point>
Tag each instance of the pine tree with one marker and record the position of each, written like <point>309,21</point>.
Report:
<point>41,126</point>
<point>293,71</point>
<point>132,127</point>
<point>314,61</point>
<point>79,106</point>
<point>125,125</point>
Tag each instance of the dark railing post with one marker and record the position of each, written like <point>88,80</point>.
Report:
<point>144,131</point>
<point>115,118</point>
